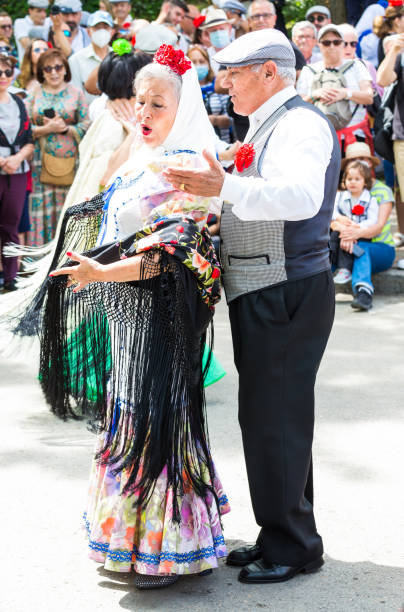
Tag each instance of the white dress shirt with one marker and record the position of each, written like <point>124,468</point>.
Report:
<point>293,168</point>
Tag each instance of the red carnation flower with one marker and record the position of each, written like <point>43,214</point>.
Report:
<point>198,21</point>
<point>166,55</point>
<point>215,273</point>
<point>244,157</point>
<point>358,209</point>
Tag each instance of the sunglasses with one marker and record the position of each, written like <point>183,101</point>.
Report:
<point>56,68</point>
<point>6,27</point>
<point>261,16</point>
<point>319,18</point>
<point>8,72</point>
<point>336,42</point>
<point>352,44</point>
<point>38,50</point>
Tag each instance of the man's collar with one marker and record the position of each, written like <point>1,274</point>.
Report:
<point>271,105</point>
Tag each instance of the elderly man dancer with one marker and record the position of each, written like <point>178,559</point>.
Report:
<point>275,257</point>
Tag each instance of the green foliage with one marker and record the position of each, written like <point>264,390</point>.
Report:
<point>295,10</point>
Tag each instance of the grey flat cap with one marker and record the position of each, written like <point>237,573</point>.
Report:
<point>235,6</point>
<point>149,38</point>
<point>257,48</point>
<point>69,6</point>
<point>318,8</point>
<point>41,4</point>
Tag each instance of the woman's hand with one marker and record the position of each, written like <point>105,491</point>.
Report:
<point>88,271</point>
<point>55,126</point>
<point>347,245</point>
<point>351,232</point>
<point>11,164</point>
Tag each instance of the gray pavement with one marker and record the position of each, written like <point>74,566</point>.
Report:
<point>358,462</point>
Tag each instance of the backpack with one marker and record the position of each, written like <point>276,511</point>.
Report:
<point>339,113</point>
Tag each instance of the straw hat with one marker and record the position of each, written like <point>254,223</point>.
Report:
<point>358,149</point>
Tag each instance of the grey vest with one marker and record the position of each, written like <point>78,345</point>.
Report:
<point>258,254</point>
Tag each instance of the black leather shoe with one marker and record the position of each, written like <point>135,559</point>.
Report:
<point>261,572</point>
<point>244,555</point>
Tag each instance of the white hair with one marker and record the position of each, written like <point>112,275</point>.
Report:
<point>157,71</point>
<point>302,25</point>
<point>288,75</point>
<point>347,28</point>
<point>254,4</point>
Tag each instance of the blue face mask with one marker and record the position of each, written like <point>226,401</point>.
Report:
<point>202,71</point>
<point>219,39</point>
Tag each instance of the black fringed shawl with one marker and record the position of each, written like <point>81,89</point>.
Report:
<point>141,342</point>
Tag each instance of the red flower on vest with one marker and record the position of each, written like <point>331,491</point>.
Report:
<point>358,209</point>
<point>166,55</point>
<point>244,157</point>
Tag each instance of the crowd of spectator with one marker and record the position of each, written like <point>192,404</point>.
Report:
<point>67,109</point>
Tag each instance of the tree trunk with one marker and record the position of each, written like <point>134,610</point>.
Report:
<point>338,10</point>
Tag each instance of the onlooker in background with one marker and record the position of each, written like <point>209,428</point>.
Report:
<point>350,37</point>
<point>105,5</point>
<point>367,40</point>
<point>236,12</point>
<point>172,12</point>
<point>318,15</point>
<point>392,22</point>
<point>6,31</point>
<point>59,116</point>
<point>152,36</point>
<point>15,148</point>
<point>218,27</point>
<point>347,81</point>
<point>390,71</point>
<point>215,104</point>
<point>187,24</point>
<point>261,15</point>
<point>36,17</point>
<point>304,36</point>
<point>71,12</point>
<point>27,78</point>
<point>376,241</point>
<point>82,63</point>
<point>121,11</point>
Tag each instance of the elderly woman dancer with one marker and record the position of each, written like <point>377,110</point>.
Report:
<point>142,301</point>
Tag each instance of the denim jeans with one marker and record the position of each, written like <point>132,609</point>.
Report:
<point>376,258</point>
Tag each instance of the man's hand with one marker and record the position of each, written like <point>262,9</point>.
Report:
<point>203,182</point>
<point>58,23</point>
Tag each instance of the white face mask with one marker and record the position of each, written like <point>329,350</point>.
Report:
<point>101,37</point>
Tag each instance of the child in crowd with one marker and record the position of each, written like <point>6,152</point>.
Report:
<point>354,205</point>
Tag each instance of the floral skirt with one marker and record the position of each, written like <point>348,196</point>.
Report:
<point>121,536</point>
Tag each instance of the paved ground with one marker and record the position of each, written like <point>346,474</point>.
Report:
<point>358,475</point>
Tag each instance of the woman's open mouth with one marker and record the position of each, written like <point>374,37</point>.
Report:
<point>146,130</point>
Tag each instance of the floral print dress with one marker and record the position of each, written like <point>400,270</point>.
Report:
<point>46,201</point>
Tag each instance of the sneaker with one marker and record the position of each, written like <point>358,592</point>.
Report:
<point>400,264</point>
<point>362,300</point>
<point>398,239</point>
<point>342,276</point>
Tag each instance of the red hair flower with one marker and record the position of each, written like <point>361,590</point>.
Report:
<point>166,55</point>
<point>198,21</point>
<point>358,209</point>
<point>244,157</point>
<point>395,2</point>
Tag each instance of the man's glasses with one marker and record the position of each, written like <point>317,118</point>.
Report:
<point>304,36</point>
<point>318,18</point>
<point>353,44</point>
<point>6,26</point>
<point>327,43</point>
<point>56,68</point>
<point>259,16</point>
<point>8,72</point>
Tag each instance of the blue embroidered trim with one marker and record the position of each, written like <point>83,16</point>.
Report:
<point>156,558</point>
<point>176,151</point>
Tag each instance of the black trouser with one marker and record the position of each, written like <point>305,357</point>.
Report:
<point>279,337</point>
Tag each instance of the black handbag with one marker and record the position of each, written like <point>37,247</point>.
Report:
<point>383,126</point>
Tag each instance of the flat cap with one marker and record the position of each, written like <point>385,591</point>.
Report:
<point>318,8</point>
<point>257,48</point>
<point>235,6</point>
<point>152,36</point>
<point>41,4</point>
<point>100,17</point>
<point>69,6</point>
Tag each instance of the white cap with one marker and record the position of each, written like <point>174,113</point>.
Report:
<point>330,27</point>
<point>257,48</point>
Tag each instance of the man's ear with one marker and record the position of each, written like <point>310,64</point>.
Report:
<point>270,69</point>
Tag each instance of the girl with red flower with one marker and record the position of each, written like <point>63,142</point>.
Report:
<point>355,204</point>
